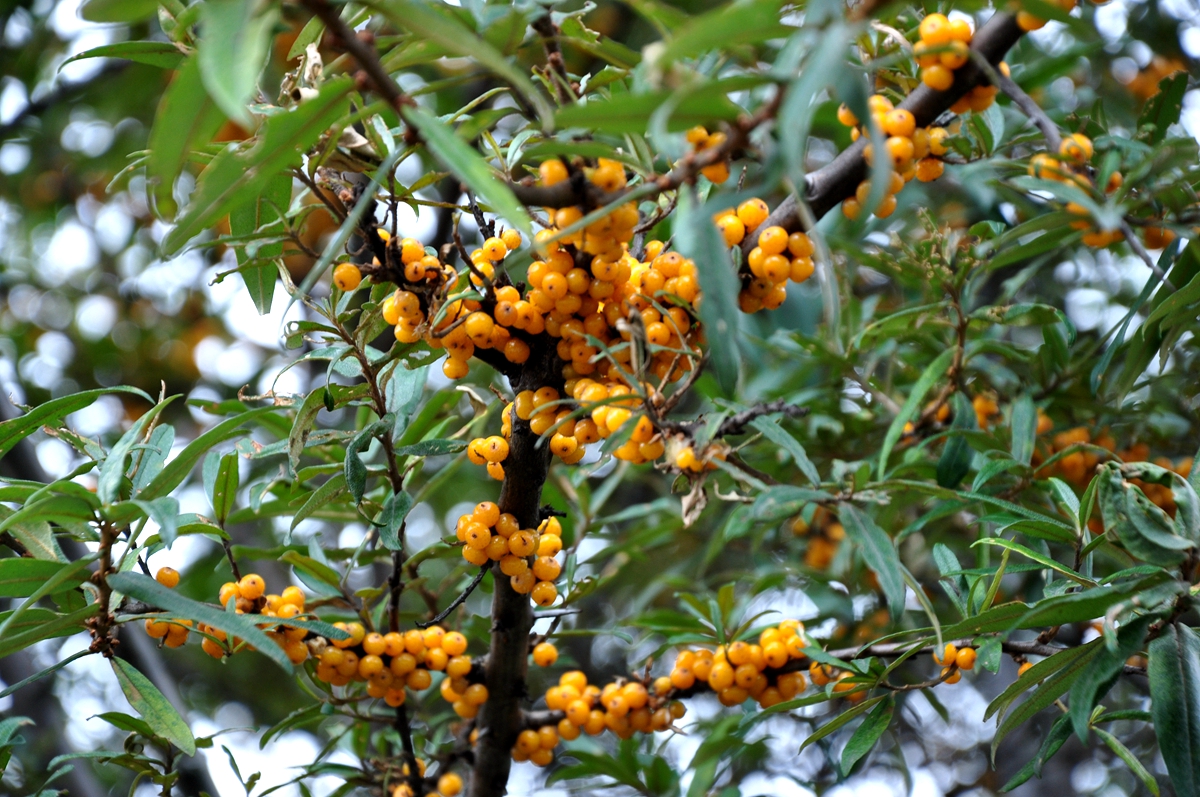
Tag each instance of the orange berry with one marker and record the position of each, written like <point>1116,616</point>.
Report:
<point>937,77</point>
<point>347,276</point>
<point>545,654</point>
<point>167,576</point>
<point>252,586</point>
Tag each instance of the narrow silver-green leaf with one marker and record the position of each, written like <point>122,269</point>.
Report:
<point>160,715</point>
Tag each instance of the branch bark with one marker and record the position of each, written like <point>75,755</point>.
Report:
<point>525,470</point>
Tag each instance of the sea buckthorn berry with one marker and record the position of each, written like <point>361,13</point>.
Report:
<point>157,629</point>
<point>948,676</point>
<point>487,513</point>
<point>545,654</point>
<point>374,644</point>
<point>511,239</point>
<point>930,169</point>
<point>1024,668</point>
<point>547,568</point>
<point>965,659</point>
<point>494,249</point>
<point>935,29</point>
<point>347,276</point>
<point>454,643</point>
<point>732,229</point>
<point>252,586</point>
<point>948,655</point>
<point>544,593</point>
<point>773,240</point>
<point>418,680</point>
<point>167,576</point>
<point>552,171</point>
<point>753,212</point>
<point>522,543</point>
<point>494,449</point>
<point>937,77</point>
<point>1028,22</point>
<point>513,565</point>
<point>1077,148</point>
<point>846,116</point>
<point>449,785</point>
<point>851,208</point>
<point>899,122</point>
<point>455,369</point>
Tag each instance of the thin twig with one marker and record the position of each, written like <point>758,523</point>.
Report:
<point>1021,100</point>
<point>466,593</point>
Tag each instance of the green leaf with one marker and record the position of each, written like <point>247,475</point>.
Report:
<point>431,448</point>
<point>783,500</point>
<point>630,113</point>
<point>931,375</point>
<point>112,470</point>
<point>179,467</point>
<point>38,624</point>
<point>146,589</point>
<point>867,734</point>
<point>330,490</point>
<point>842,719</point>
<point>1041,559</point>
<point>957,455</point>
<point>235,39</point>
<point>1060,731</point>
<point>698,238</point>
<point>1047,693</point>
<point>1145,530</point>
<point>1132,761</point>
<point>727,26</point>
<point>225,488</point>
<point>306,416</point>
<point>435,23</point>
<point>52,412</point>
<point>1024,429</point>
<point>238,174</point>
<point>395,509</point>
<point>467,164</point>
<point>165,512</point>
<point>21,577</point>
<point>35,535</point>
<point>158,712</point>
<point>771,430</point>
<point>1104,672</point>
<point>118,10</point>
<point>187,119</point>
<point>161,54</point>
<point>322,572</point>
<point>1174,673</point>
<point>878,552</point>
<point>1163,109</point>
<point>250,218</point>
<point>55,667</point>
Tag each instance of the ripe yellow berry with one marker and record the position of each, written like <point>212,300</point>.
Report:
<point>935,29</point>
<point>965,659</point>
<point>1076,148</point>
<point>449,785</point>
<point>846,116</point>
<point>937,77</point>
<point>929,169</point>
<point>167,576</point>
<point>544,593</point>
<point>753,212</point>
<point>252,586</point>
<point>545,654</point>
<point>347,276</point>
<point>552,171</point>
<point>1024,668</point>
<point>494,249</point>
<point>899,122</point>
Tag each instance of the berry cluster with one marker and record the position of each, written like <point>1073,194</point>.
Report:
<point>823,533</point>
<point>915,152</point>
<point>777,258</point>
<point>173,633</point>
<point>448,784</point>
<point>388,663</point>
<point>526,556</point>
<point>945,46</point>
<point>701,140</point>
<point>741,670</point>
<point>953,661</point>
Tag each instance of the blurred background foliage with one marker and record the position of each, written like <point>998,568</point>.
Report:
<point>88,302</point>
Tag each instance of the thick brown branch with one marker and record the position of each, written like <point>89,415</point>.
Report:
<point>525,471</point>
